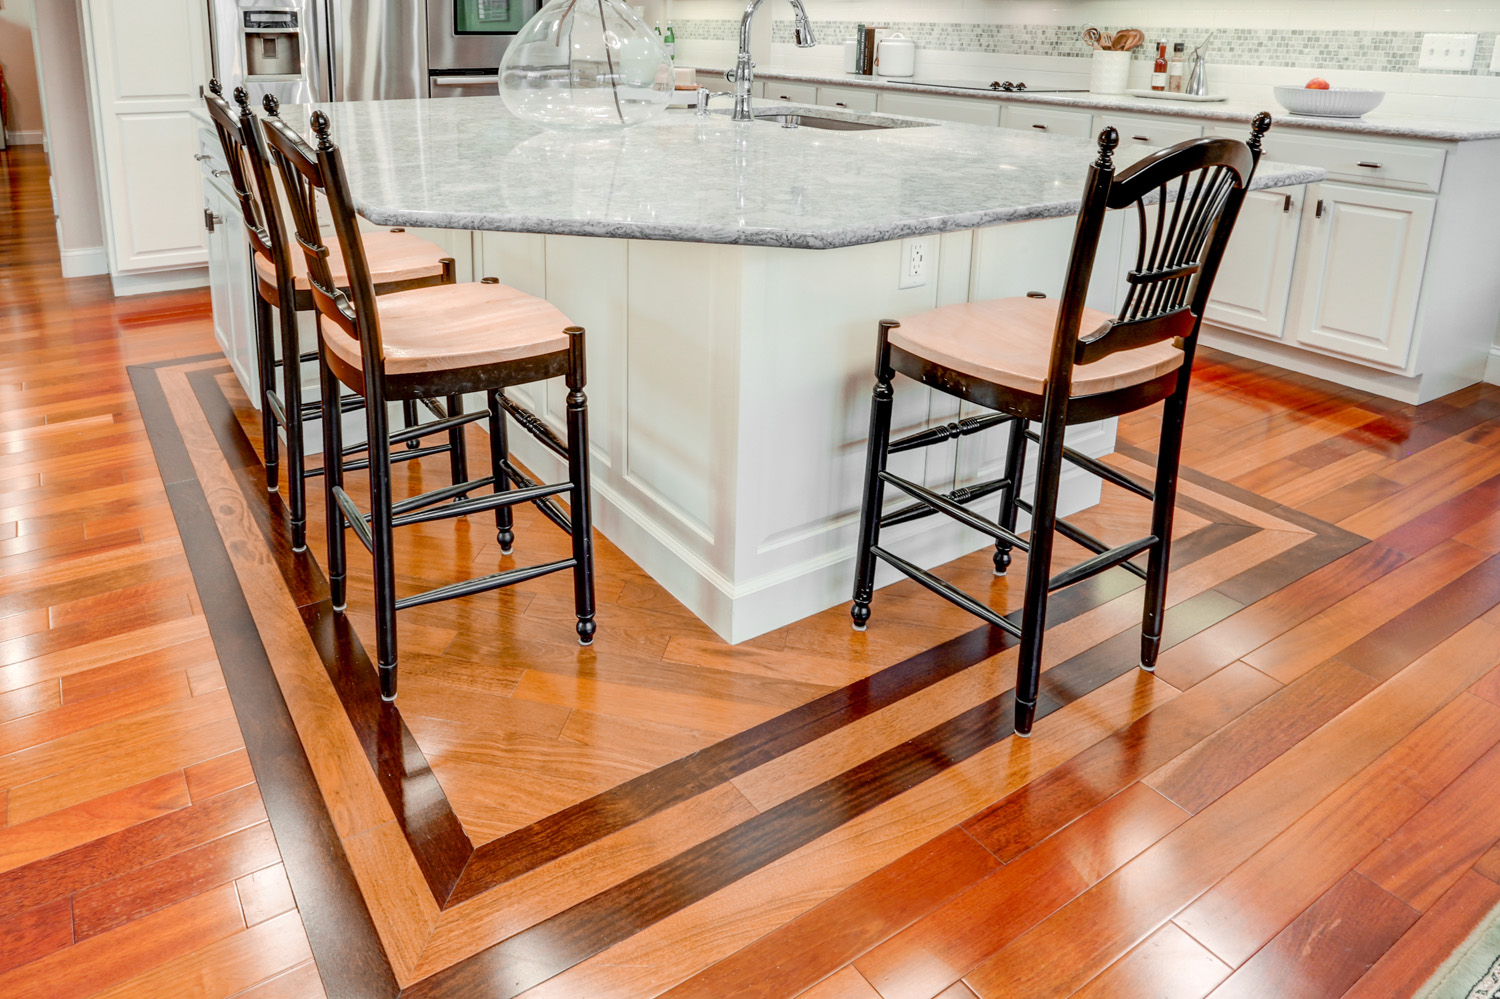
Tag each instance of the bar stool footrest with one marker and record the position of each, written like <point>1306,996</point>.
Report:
<point>947,591</point>
<point>958,513</point>
<point>483,584</point>
<point>480,504</point>
<point>1100,469</point>
<point>546,505</point>
<point>948,432</point>
<point>533,425</point>
<point>1100,563</point>
<point>966,494</point>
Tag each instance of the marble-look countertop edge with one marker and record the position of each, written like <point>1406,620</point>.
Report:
<point>788,239</point>
<point>1210,111</point>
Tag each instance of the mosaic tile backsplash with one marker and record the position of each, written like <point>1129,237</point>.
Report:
<point>1379,51</point>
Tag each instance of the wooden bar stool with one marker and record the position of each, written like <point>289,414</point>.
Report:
<point>1061,363</point>
<point>425,344</point>
<point>399,261</point>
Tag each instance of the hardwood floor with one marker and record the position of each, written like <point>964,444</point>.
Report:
<point>1293,805</point>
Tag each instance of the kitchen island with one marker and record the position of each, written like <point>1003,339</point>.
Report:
<point>731,276</point>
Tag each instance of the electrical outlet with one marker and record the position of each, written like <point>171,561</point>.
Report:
<point>1448,52</point>
<point>916,261</point>
<point>1495,59</point>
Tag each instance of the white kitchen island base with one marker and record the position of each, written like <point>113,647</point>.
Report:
<point>729,399</point>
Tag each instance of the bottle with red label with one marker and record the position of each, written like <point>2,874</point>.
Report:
<point>1159,71</point>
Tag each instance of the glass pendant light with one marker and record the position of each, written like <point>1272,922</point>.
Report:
<point>586,64</point>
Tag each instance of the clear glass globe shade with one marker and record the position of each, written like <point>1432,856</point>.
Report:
<point>586,64</point>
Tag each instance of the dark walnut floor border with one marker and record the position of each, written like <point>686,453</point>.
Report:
<point>339,924</point>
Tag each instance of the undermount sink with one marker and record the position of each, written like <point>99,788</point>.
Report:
<point>795,120</point>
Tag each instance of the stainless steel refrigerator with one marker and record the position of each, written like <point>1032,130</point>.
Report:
<point>363,50</point>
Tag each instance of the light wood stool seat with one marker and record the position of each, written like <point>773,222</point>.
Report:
<point>458,326</point>
<point>394,257</point>
<point>1008,341</point>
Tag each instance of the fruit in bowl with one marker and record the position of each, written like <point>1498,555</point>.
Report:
<point>1327,101</point>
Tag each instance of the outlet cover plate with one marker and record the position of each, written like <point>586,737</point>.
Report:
<point>1454,53</point>
<point>916,262</point>
<point>1495,59</point>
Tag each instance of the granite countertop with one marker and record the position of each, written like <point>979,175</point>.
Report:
<point>1374,123</point>
<point>466,163</point>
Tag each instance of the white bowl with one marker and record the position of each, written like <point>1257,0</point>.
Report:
<point>1339,102</point>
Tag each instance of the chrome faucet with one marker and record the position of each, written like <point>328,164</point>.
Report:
<point>743,74</point>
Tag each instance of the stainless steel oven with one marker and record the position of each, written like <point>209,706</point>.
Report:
<point>468,38</point>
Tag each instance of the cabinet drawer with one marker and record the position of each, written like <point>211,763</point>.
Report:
<point>1075,124</point>
<point>1158,132</point>
<point>1363,161</point>
<point>848,97</point>
<point>797,93</point>
<point>958,109</point>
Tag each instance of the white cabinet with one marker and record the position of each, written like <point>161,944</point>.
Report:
<point>850,98</point>
<point>1051,121</point>
<point>959,109</point>
<point>1360,270</point>
<point>1151,132</point>
<point>146,61</point>
<point>1255,277</point>
<point>797,93</point>
<point>229,285</point>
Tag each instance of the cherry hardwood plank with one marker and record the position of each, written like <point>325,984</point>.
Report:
<point>102,651</point>
<point>800,953</point>
<point>35,729</point>
<point>33,934</point>
<point>1247,908</point>
<point>18,703</point>
<point>1436,846</point>
<point>224,967</point>
<point>941,948</point>
<point>1202,774</point>
<point>111,958</point>
<point>119,900</point>
<point>847,983</point>
<point>1319,637</point>
<point>1029,815</point>
<point>146,840</point>
<point>302,982</point>
<point>218,775</point>
<point>1327,948</point>
<point>1419,952</point>
<point>1450,519</point>
<point>264,894</point>
<point>1169,964</point>
<point>27,842</point>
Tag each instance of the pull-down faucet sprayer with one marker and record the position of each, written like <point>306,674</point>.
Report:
<point>743,74</point>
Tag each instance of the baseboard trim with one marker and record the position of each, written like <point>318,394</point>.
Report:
<point>1492,367</point>
<point>178,279</point>
<point>27,137</point>
<point>87,262</point>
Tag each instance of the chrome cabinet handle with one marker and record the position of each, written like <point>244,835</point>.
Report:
<point>202,157</point>
<point>219,173</point>
<point>210,219</point>
<point>1368,165</point>
<point>462,81</point>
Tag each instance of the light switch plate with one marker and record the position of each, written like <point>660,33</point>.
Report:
<point>1448,52</point>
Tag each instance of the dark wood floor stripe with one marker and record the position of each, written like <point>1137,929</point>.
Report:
<point>350,958</point>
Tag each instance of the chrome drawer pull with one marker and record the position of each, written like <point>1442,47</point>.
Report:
<point>1368,165</point>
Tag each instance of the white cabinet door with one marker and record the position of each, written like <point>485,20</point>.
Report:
<point>960,109</point>
<point>797,93</point>
<point>147,59</point>
<point>229,285</point>
<point>1255,277</point>
<point>216,218</point>
<point>1050,121</point>
<point>849,98</point>
<point>1362,259</point>
<point>1153,132</point>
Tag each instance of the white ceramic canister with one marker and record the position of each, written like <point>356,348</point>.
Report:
<point>851,56</point>
<point>1110,72</point>
<point>896,56</point>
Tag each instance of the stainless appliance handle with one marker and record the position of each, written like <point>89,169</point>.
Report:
<point>463,81</point>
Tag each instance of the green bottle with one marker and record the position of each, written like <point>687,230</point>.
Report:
<point>671,42</point>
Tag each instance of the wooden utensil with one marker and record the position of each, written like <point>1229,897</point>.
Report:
<point>1129,39</point>
<point>1107,41</point>
<point>1091,35</point>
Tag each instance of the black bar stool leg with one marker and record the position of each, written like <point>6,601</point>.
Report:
<point>870,509</point>
<point>578,474</point>
<point>1015,469</point>
<point>499,453</point>
<point>458,451</point>
<point>1168,460</point>
<point>296,445</point>
<point>1038,572</point>
<point>409,419</point>
<point>265,350</point>
<point>381,536</point>
<point>333,478</point>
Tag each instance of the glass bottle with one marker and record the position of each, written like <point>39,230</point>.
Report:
<point>1174,71</point>
<point>586,64</point>
<point>671,42</point>
<point>1159,71</point>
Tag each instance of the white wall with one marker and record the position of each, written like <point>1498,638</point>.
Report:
<point>23,121</point>
<point>75,185</point>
